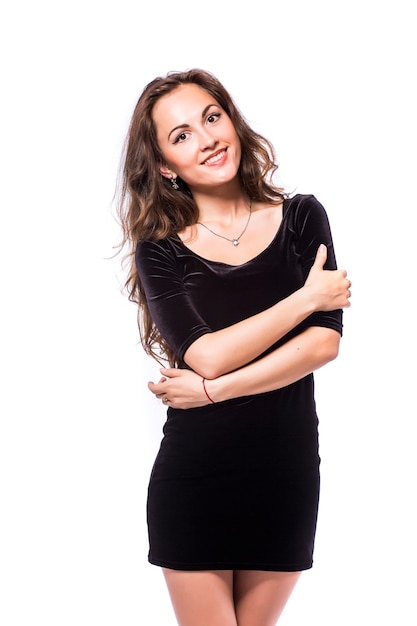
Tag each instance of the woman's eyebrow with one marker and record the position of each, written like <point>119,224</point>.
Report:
<point>203,114</point>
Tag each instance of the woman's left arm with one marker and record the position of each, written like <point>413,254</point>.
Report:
<point>295,359</point>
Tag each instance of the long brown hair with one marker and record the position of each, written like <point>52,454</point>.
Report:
<point>150,209</point>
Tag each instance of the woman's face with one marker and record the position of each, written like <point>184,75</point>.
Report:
<point>196,137</point>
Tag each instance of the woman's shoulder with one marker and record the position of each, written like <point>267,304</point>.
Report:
<point>302,205</point>
<point>301,200</point>
<point>144,246</point>
<point>149,250</point>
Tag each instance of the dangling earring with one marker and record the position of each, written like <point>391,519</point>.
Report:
<point>174,183</point>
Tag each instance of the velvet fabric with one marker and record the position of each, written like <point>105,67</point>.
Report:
<point>235,484</point>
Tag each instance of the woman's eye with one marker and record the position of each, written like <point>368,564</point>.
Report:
<point>181,137</point>
<point>213,117</point>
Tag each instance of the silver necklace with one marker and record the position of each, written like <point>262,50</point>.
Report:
<point>235,240</point>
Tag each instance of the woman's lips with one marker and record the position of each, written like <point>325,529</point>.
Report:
<point>216,158</point>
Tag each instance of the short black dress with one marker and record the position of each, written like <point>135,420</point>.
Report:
<point>235,484</point>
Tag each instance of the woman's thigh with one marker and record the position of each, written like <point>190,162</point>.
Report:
<point>260,597</point>
<point>202,598</point>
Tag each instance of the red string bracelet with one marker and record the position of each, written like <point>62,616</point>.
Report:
<point>203,380</point>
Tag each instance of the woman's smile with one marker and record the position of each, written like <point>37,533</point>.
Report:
<point>217,158</point>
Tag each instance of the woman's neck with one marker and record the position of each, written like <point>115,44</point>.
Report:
<point>221,207</point>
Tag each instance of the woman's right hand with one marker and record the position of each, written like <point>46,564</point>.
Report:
<point>329,289</point>
<point>180,389</point>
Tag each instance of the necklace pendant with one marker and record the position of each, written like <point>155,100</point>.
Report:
<point>235,242</point>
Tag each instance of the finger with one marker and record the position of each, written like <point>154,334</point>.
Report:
<point>159,395</point>
<point>154,388</point>
<point>321,256</point>
<point>170,372</point>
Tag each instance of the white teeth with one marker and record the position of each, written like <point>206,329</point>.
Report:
<point>215,158</point>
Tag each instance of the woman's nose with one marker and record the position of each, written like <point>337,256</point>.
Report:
<point>207,140</point>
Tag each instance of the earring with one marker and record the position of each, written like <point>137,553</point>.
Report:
<point>174,183</point>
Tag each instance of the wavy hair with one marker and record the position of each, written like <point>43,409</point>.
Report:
<point>148,207</point>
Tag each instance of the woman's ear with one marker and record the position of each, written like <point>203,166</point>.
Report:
<point>165,171</point>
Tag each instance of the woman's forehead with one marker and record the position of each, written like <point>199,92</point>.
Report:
<point>185,100</point>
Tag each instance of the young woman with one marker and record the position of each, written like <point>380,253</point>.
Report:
<point>238,289</point>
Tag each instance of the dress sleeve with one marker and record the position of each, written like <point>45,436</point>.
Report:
<point>311,225</point>
<point>169,304</point>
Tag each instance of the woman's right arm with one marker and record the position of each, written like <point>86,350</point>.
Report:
<point>223,351</point>
<point>217,353</point>
<point>295,359</point>
<point>213,353</point>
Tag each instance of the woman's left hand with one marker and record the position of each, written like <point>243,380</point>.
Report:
<point>180,389</point>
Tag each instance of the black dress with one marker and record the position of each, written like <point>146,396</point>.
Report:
<point>235,484</point>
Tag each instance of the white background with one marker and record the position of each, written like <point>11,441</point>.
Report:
<point>333,86</point>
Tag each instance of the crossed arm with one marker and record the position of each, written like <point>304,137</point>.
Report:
<point>292,361</point>
<point>225,357</point>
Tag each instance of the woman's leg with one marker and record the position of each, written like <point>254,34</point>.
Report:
<point>260,597</point>
<point>202,598</point>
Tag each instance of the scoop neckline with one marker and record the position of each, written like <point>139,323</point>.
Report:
<point>271,243</point>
